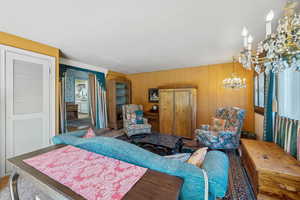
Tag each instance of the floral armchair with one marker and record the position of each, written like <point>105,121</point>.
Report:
<point>130,124</point>
<point>229,138</point>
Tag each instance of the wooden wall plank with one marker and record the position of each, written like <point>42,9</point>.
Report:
<point>211,93</point>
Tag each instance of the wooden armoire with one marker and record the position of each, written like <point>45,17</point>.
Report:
<point>177,110</point>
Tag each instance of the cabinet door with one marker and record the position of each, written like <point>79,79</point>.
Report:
<point>183,113</point>
<point>166,114</point>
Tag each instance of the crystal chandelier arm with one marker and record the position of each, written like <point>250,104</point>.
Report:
<point>280,50</point>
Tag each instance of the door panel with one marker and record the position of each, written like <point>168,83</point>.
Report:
<point>27,87</point>
<point>27,104</point>
<point>183,116</point>
<point>21,143</point>
<point>166,107</point>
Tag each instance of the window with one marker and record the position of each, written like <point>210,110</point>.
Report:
<point>259,92</point>
<point>289,94</point>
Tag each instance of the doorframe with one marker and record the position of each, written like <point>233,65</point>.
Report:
<point>52,67</point>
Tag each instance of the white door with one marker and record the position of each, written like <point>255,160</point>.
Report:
<point>28,103</point>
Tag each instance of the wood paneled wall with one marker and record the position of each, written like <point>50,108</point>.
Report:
<point>210,94</point>
<point>22,43</point>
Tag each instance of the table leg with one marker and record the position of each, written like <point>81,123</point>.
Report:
<point>13,186</point>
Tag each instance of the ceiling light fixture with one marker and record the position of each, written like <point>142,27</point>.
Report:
<point>280,50</point>
<point>234,82</point>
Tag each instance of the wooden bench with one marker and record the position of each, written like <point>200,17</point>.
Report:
<point>273,173</point>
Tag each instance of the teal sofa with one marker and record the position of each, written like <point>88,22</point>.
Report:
<point>215,163</point>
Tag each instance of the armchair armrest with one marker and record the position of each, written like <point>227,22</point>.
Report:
<point>227,134</point>
<point>126,123</point>
<point>145,120</point>
<point>201,133</point>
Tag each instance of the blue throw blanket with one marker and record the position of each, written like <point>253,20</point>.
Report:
<point>215,164</point>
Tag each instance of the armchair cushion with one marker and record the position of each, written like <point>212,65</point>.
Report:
<point>139,117</point>
<point>218,140</point>
<point>218,124</point>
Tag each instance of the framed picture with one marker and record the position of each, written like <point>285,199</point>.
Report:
<point>153,95</point>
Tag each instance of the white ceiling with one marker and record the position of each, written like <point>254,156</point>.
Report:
<point>132,36</point>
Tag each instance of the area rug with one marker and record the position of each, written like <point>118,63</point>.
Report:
<point>239,187</point>
<point>26,190</point>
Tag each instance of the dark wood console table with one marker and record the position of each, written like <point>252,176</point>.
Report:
<point>72,111</point>
<point>153,119</point>
<point>153,185</point>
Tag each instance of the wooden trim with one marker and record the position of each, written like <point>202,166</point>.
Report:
<point>259,110</point>
<point>178,86</point>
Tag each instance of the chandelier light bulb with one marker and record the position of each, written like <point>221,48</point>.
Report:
<point>269,19</point>
<point>245,32</point>
<point>250,39</point>
<point>270,16</point>
<point>245,36</point>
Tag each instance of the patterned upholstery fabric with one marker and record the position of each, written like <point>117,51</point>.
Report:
<point>130,125</point>
<point>230,137</point>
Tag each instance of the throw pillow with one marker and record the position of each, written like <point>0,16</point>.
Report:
<point>218,124</point>
<point>133,118</point>
<point>198,157</point>
<point>101,131</point>
<point>183,157</point>
<point>139,117</point>
<point>89,134</point>
<point>232,129</point>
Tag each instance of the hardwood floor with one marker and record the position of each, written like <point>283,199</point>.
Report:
<point>3,182</point>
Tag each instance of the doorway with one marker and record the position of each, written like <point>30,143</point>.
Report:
<point>77,100</point>
<point>27,103</point>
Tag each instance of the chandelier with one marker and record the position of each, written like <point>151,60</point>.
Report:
<point>234,82</point>
<point>280,50</point>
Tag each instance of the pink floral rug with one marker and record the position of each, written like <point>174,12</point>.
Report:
<point>90,175</point>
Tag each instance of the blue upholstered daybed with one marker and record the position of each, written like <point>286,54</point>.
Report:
<point>215,163</point>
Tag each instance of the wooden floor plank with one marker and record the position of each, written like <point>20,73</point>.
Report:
<point>3,182</point>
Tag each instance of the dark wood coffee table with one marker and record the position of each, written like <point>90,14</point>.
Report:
<point>153,185</point>
<point>162,144</point>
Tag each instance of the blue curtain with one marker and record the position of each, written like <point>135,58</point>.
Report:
<point>101,109</point>
<point>269,95</point>
<point>99,75</point>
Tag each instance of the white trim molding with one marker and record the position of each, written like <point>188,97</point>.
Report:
<point>82,65</point>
